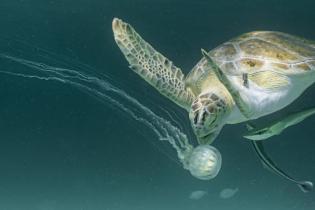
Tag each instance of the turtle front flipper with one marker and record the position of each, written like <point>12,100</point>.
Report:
<point>152,66</point>
<point>241,104</point>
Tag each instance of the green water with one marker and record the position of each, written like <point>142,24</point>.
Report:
<point>63,149</point>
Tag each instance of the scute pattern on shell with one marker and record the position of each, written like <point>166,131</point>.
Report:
<point>259,51</point>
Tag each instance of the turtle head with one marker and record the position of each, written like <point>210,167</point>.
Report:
<point>207,115</point>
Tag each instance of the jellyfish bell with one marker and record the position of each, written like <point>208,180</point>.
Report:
<point>204,162</point>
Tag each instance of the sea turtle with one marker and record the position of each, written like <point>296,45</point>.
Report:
<point>248,77</point>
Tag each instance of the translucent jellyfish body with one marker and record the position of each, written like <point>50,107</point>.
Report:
<point>204,162</point>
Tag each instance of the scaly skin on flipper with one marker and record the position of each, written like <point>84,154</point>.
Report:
<point>224,80</point>
<point>152,66</point>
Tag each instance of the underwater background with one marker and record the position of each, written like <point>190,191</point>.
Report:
<point>64,149</point>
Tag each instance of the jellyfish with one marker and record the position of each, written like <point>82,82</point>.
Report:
<point>202,161</point>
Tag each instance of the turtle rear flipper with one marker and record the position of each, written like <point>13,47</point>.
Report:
<point>152,66</point>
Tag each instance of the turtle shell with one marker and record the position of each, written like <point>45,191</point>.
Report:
<point>263,55</point>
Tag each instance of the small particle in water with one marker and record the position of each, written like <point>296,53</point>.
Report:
<point>228,193</point>
<point>198,194</point>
